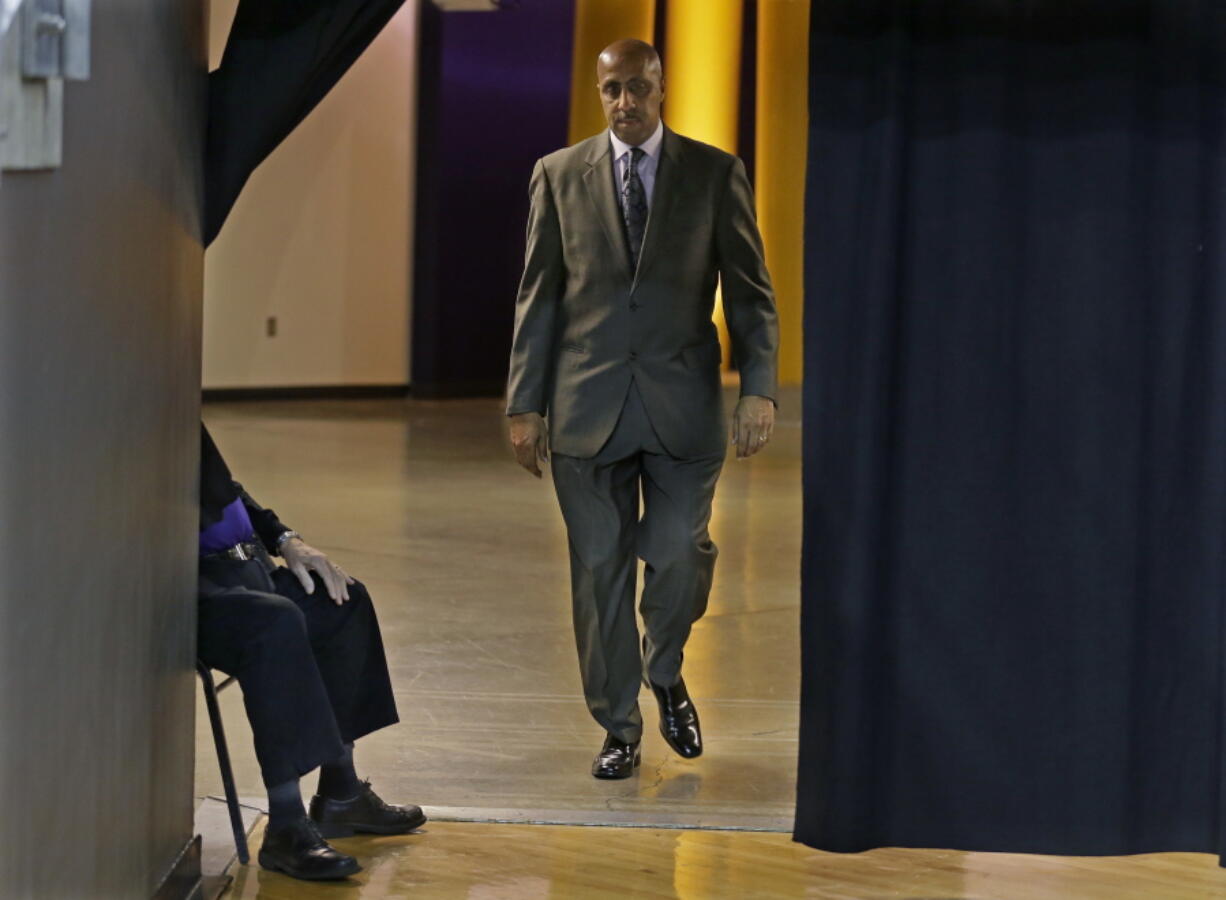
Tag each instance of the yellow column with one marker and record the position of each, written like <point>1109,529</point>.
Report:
<point>599,23</point>
<point>782,132</point>
<point>702,70</point>
<point>702,80</point>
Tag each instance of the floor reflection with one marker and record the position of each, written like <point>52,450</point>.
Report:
<point>466,558</point>
<point>522,862</point>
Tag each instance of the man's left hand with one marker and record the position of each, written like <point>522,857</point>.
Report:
<point>753,423</point>
<point>302,559</point>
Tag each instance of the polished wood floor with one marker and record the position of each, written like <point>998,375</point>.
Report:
<point>523,862</point>
<point>465,556</point>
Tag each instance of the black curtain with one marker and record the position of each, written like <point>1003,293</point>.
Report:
<point>1015,434</point>
<point>282,57</point>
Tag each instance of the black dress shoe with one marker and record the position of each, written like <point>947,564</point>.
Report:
<point>616,759</point>
<point>300,851</point>
<point>679,719</point>
<point>365,813</point>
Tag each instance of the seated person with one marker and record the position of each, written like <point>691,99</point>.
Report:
<point>305,646</point>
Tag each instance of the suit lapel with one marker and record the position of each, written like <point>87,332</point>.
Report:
<point>663,199</point>
<point>599,182</point>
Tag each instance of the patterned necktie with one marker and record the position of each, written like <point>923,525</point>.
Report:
<point>634,206</point>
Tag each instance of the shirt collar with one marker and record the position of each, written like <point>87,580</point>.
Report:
<point>651,146</point>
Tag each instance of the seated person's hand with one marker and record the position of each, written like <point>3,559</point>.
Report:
<point>302,559</point>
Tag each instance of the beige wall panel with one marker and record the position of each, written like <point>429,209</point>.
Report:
<point>321,237</point>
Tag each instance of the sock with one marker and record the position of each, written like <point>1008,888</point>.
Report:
<point>284,804</point>
<point>337,779</point>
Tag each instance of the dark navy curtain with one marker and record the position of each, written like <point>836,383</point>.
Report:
<point>1015,432</point>
<point>282,57</point>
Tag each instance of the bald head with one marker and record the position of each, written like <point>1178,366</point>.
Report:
<point>631,83</point>
<point>630,49</point>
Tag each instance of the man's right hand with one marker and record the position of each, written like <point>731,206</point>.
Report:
<point>530,439</point>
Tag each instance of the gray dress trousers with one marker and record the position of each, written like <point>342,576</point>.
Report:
<point>600,501</point>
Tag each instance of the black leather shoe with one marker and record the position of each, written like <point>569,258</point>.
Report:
<point>300,851</point>
<point>616,759</point>
<point>365,813</point>
<point>679,719</point>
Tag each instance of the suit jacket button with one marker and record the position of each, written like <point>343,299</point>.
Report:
<point>634,306</point>
<point>633,355</point>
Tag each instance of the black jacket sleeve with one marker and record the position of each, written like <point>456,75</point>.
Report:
<point>216,485</point>
<point>218,489</point>
<point>265,522</point>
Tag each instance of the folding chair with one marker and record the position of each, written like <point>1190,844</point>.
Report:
<point>211,691</point>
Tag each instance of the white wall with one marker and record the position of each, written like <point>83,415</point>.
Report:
<point>321,237</point>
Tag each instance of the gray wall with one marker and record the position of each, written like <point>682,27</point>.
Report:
<point>100,286</point>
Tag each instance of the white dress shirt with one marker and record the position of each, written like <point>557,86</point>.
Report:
<point>647,165</point>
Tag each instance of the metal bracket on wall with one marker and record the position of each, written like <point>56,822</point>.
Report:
<point>48,43</point>
<point>55,39</point>
<point>8,12</point>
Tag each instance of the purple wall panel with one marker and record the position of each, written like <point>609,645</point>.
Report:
<point>495,94</point>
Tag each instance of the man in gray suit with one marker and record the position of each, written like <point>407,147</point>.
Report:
<point>628,234</point>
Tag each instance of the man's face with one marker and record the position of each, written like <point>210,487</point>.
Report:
<point>631,91</point>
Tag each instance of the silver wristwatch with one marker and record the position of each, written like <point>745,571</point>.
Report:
<point>282,538</point>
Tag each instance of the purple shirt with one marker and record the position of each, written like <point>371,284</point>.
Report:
<point>234,527</point>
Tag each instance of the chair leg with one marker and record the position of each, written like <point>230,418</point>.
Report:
<point>223,762</point>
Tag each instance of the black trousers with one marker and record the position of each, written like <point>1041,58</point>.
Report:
<point>313,674</point>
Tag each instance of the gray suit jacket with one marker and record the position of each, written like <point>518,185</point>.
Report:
<point>585,324</point>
